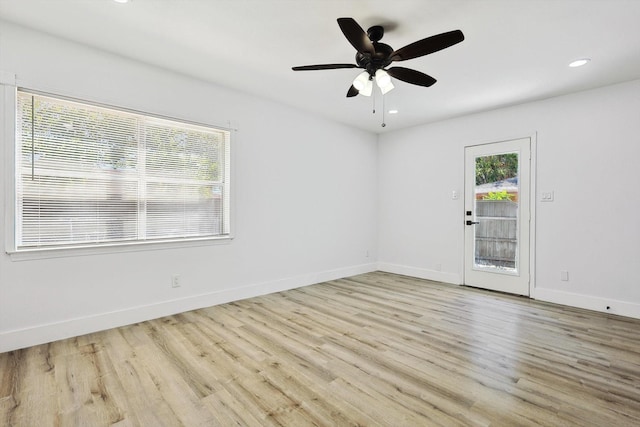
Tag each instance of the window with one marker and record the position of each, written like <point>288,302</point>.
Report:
<point>90,176</point>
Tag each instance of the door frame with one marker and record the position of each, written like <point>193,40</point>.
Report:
<point>533,136</point>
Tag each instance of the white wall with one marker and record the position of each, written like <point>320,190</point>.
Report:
<point>305,202</point>
<point>588,149</point>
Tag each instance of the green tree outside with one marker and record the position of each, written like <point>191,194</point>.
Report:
<point>496,168</point>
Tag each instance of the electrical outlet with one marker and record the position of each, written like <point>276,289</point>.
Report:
<point>175,281</point>
<point>564,276</point>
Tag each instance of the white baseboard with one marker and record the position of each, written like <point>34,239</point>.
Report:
<point>421,273</point>
<point>621,308</point>
<point>22,338</point>
<point>16,339</point>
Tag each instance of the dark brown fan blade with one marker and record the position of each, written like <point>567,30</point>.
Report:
<point>356,35</point>
<point>323,67</point>
<point>411,76</point>
<point>352,92</point>
<point>428,45</point>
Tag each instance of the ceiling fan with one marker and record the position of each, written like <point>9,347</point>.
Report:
<point>374,57</point>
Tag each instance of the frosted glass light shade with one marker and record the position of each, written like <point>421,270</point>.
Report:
<point>363,84</point>
<point>383,79</point>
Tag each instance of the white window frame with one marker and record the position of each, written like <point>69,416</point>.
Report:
<point>8,99</point>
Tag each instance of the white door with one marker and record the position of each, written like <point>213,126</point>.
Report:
<point>497,216</point>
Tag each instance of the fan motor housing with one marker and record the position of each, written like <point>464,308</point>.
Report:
<point>378,60</point>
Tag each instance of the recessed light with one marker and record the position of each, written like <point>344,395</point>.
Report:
<point>121,1</point>
<point>393,111</point>
<point>579,62</point>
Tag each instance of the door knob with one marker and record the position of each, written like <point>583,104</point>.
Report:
<point>469,222</point>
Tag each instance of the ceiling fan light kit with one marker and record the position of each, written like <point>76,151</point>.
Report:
<point>363,84</point>
<point>383,80</point>
<point>374,57</point>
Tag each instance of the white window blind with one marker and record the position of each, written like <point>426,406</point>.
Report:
<point>89,175</point>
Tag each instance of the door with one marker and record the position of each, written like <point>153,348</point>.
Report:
<point>497,216</point>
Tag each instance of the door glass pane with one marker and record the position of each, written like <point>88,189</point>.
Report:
<point>496,211</point>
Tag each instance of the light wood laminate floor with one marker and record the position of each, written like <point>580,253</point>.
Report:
<point>374,349</point>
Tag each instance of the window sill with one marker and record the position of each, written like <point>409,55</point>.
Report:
<point>75,251</point>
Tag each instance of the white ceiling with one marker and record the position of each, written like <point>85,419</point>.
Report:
<point>515,50</point>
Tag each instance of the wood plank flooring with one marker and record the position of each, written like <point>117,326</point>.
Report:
<point>372,350</point>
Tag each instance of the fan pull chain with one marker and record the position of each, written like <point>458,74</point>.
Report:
<point>373,99</point>
<point>383,108</point>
